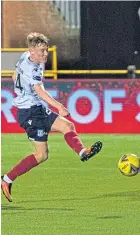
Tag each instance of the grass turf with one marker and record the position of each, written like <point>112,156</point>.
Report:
<point>64,196</point>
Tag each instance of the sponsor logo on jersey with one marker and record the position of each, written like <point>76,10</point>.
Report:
<point>37,78</point>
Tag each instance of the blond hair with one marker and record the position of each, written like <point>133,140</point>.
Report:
<point>37,39</point>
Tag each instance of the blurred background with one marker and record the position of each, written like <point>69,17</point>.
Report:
<point>88,40</point>
<point>88,34</point>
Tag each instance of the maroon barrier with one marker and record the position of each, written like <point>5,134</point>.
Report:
<point>95,105</point>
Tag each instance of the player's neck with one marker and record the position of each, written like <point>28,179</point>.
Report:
<point>32,59</point>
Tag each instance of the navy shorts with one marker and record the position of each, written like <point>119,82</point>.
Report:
<point>37,122</point>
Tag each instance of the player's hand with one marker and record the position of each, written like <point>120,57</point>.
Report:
<point>64,112</point>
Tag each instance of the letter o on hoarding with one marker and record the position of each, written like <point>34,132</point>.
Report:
<point>95,106</point>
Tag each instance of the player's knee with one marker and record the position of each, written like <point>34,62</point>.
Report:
<point>70,126</point>
<point>42,156</point>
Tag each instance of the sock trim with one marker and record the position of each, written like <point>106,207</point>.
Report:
<point>82,151</point>
<point>7,180</point>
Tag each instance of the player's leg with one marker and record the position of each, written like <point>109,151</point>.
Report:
<point>29,162</point>
<point>66,127</point>
<point>41,151</point>
<point>36,132</point>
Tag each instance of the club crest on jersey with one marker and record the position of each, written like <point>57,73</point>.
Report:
<point>40,133</point>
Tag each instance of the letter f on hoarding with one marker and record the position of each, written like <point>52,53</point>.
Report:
<point>110,107</point>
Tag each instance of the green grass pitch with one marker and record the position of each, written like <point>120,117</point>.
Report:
<point>64,196</point>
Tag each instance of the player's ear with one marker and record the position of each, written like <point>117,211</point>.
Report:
<point>31,50</point>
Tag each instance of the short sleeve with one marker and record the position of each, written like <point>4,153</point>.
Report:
<point>36,76</point>
<point>21,59</point>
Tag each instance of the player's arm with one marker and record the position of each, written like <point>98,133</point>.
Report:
<point>14,76</point>
<point>44,95</point>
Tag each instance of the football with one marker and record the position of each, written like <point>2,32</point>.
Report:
<point>129,164</point>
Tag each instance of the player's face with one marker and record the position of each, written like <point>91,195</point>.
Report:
<point>39,53</point>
